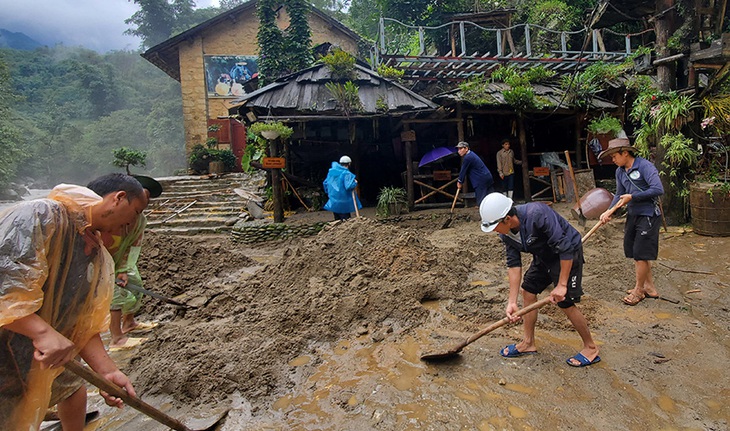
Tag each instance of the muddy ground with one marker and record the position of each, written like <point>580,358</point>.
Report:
<point>325,333</point>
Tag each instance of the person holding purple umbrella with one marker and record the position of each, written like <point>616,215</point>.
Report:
<point>479,176</point>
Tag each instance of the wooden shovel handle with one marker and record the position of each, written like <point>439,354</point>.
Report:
<point>354,202</point>
<point>572,175</point>
<point>504,321</point>
<point>618,205</point>
<point>456,196</point>
<point>105,385</point>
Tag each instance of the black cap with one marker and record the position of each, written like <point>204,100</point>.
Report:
<point>150,184</point>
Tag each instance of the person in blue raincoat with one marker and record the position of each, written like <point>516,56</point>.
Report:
<point>340,188</point>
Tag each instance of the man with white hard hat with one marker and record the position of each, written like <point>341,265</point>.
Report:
<point>340,188</point>
<point>557,258</point>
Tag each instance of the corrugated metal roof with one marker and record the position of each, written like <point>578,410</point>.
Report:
<point>305,92</point>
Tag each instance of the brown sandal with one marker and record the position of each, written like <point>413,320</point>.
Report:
<point>633,299</point>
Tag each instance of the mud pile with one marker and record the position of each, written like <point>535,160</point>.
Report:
<point>354,277</point>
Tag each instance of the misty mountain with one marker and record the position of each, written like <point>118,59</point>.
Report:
<point>9,39</point>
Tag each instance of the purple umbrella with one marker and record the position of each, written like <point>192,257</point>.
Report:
<point>436,154</point>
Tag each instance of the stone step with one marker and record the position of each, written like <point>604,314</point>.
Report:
<point>191,230</point>
<point>194,219</point>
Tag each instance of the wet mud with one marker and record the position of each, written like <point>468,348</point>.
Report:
<point>326,332</point>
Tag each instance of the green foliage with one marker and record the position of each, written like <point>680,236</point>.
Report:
<point>605,124</point>
<point>680,159</point>
<point>389,196</point>
<point>521,94</point>
<point>555,15</point>
<point>340,63</point>
<point>255,150</point>
<point>284,131</point>
<point>347,96</point>
<point>153,23</point>
<point>200,158</point>
<point>381,105</point>
<point>390,72</point>
<point>582,87</point>
<point>475,92</point>
<point>211,142</point>
<point>10,153</point>
<point>283,53</point>
<point>126,157</point>
<point>66,121</point>
<point>655,111</point>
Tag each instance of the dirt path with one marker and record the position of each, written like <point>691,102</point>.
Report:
<point>325,333</point>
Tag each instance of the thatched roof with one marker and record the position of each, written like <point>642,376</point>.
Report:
<point>551,96</point>
<point>305,93</point>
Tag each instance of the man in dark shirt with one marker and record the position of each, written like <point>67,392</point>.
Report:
<point>557,258</point>
<point>479,176</point>
<point>638,183</point>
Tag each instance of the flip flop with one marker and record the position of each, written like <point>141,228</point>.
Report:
<point>584,362</point>
<point>144,326</point>
<point>632,299</point>
<point>646,295</point>
<point>512,352</point>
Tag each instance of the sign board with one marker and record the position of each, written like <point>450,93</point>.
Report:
<point>273,162</point>
<point>408,136</point>
<point>541,171</point>
<point>442,175</point>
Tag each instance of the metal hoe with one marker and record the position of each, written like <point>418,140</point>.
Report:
<point>448,221</point>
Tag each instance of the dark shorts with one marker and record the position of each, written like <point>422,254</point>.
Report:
<point>641,237</point>
<point>541,274</point>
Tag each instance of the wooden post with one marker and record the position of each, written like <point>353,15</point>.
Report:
<point>460,123</point>
<point>276,185</point>
<point>409,165</point>
<point>525,168</point>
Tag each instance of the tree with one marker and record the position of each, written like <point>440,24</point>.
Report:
<point>154,22</point>
<point>10,154</point>
<point>125,157</point>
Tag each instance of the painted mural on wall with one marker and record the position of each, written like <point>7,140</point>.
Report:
<point>227,75</point>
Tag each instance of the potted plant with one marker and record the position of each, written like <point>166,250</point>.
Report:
<point>605,125</point>
<point>391,201</point>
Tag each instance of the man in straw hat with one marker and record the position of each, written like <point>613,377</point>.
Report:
<point>638,184</point>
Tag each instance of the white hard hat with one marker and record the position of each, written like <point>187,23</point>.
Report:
<point>493,209</point>
<point>344,160</point>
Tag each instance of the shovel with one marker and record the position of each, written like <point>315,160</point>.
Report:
<point>140,289</point>
<point>105,385</point>
<point>448,221</point>
<point>454,351</point>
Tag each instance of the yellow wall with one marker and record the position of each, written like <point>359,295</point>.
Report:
<point>231,38</point>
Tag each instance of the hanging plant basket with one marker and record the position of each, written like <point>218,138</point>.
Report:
<point>272,130</point>
<point>270,134</point>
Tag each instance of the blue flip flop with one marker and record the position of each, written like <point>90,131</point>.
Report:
<point>584,362</point>
<point>512,352</point>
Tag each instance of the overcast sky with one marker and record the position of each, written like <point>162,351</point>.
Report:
<point>94,24</point>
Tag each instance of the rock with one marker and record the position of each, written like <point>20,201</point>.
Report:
<point>255,210</point>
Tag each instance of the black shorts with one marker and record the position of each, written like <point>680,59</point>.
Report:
<point>541,274</point>
<point>641,237</point>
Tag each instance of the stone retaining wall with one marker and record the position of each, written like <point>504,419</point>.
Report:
<point>251,232</point>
